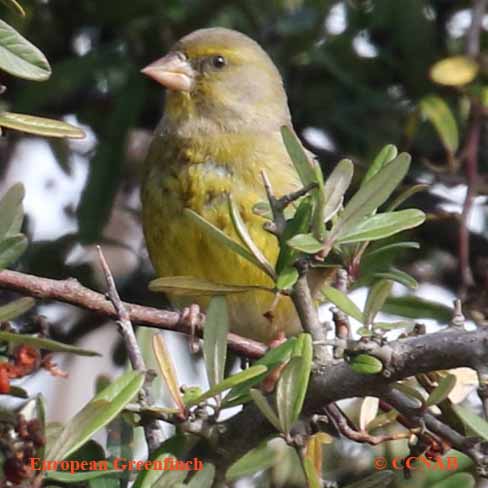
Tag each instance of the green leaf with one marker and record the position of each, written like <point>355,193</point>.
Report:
<point>292,386</point>
<point>215,233</point>
<point>203,478</point>
<point>105,483</point>
<point>298,224</point>
<point>438,113</point>
<point>168,372</point>
<point>15,6</point>
<point>405,195</point>
<point>417,308</point>
<point>342,302</point>
<point>401,324</point>
<point>15,308</point>
<point>383,225</point>
<point>41,343</point>
<point>458,480</point>
<point>265,408</point>
<point>377,296</point>
<point>393,246</point>
<point>473,421</point>
<point>190,286</point>
<point>97,413</point>
<point>21,58</point>
<point>215,340</point>
<point>305,243</point>
<point>399,276</point>
<point>148,478</point>
<point>382,420</point>
<point>40,126</point>
<point>319,198</point>
<point>372,194</point>
<point>241,229</point>
<point>229,382</point>
<point>10,205</point>
<point>365,364</point>
<point>376,480</point>
<point>441,392</point>
<point>257,459</point>
<point>313,480</point>
<point>454,71</point>
<point>298,156</point>
<point>11,248</point>
<point>385,156</point>
<point>79,477</point>
<point>335,187</point>
<point>287,278</point>
<point>410,392</point>
<point>272,359</point>
<point>263,209</point>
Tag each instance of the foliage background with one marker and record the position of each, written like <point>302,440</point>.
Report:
<point>355,72</point>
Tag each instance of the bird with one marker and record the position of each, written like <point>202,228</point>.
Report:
<point>224,107</point>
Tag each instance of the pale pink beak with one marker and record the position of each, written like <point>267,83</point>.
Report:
<point>173,71</point>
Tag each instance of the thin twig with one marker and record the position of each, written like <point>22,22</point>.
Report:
<point>72,292</point>
<point>152,428</point>
<point>343,425</point>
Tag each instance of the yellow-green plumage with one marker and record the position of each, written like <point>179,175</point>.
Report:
<point>214,140</point>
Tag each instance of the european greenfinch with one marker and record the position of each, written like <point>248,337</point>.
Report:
<point>224,107</point>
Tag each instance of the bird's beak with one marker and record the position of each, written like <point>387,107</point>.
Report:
<point>173,71</point>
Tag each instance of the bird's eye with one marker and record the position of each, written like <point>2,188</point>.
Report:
<point>219,62</point>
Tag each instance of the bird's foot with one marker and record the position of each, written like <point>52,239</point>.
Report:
<point>191,315</point>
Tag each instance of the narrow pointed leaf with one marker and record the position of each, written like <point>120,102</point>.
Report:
<point>365,364</point>
<point>10,204</point>
<point>342,302</point>
<point>386,155</point>
<point>306,243</point>
<point>15,308</point>
<point>292,388</point>
<point>21,58</point>
<point>382,420</point>
<point>319,198</point>
<point>458,480</point>
<point>190,286</point>
<point>298,156</point>
<point>376,298</point>
<point>272,359</point>
<point>39,125</point>
<point>221,237</point>
<point>203,478</point>
<point>414,307</point>
<point>314,451</point>
<point>265,408</point>
<point>97,413</point>
<point>313,478</point>
<point>287,278</point>
<point>441,392</point>
<point>472,420</point>
<point>229,382</point>
<point>401,324</point>
<point>41,343</point>
<point>372,194</point>
<point>11,248</point>
<point>71,478</point>
<point>399,276</point>
<point>15,6</point>
<point>438,113</point>
<point>393,246</point>
<point>241,229</point>
<point>167,369</point>
<point>215,340</point>
<point>335,187</point>
<point>405,195</point>
<point>383,225</point>
<point>411,392</point>
<point>257,459</point>
<point>368,411</point>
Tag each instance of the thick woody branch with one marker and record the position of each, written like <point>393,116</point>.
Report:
<point>72,292</point>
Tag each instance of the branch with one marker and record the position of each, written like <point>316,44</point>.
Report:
<point>152,428</point>
<point>72,292</point>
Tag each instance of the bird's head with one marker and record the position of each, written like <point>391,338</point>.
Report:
<point>220,79</point>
